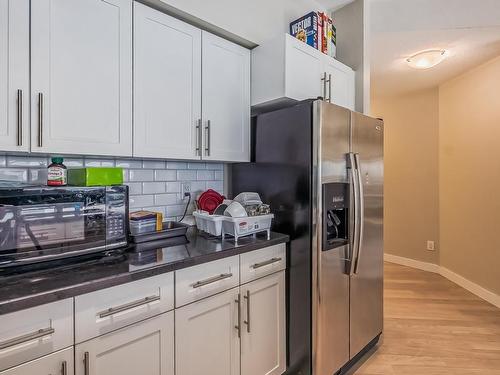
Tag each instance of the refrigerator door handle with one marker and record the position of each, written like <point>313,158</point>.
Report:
<point>351,165</point>
<point>361,212</point>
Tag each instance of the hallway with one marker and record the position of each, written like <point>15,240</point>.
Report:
<point>433,327</point>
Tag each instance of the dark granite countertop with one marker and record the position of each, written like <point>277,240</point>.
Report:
<point>73,278</point>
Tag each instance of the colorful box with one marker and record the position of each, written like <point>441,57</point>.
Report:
<point>95,176</point>
<point>306,29</point>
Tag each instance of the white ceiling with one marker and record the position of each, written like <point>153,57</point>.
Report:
<point>333,4</point>
<point>469,29</point>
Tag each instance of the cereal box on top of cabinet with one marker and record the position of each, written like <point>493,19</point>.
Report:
<point>306,29</point>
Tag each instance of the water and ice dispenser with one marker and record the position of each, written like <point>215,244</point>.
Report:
<point>335,215</point>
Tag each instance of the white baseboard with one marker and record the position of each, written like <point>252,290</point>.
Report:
<point>472,287</point>
<point>424,266</point>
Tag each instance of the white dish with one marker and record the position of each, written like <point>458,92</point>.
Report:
<point>235,209</point>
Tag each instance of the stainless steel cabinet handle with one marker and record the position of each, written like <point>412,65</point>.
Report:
<point>247,322</point>
<point>25,338</point>
<point>86,363</point>
<point>265,263</point>
<point>40,119</point>
<point>128,306</point>
<point>207,146</point>
<point>238,324</point>
<point>324,85</point>
<point>329,88</point>
<point>64,368</point>
<point>212,280</point>
<point>198,137</point>
<point>361,212</point>
<point>19,117</point>
<point>351,164</point>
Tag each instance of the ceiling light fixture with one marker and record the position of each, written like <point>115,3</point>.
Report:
<point>427,59</point>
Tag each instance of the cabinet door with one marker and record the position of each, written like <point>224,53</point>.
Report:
<point>167,86</point>
<point>226,100</point>
<point>304,70</point>
<point>14,75</point>
<point>341,85</point>
<point>56,363</point>
<point>145,348</point>
<point>263,339</point>
<point>206,336</point>
<point>81,76</point>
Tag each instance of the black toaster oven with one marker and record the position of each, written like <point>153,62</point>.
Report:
<point>40,223</point>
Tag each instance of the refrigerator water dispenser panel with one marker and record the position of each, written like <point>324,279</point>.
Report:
<point>335,215</point>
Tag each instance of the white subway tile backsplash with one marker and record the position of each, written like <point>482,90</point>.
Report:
<point>186,175</point>
<point>99,163</point>
<point>153,187</point>
<point>140,175</point>
<point>26,161</point>
<point>176,165</point>
<point>166,199</point>
<point>129,163</point>
<point>205,175</point>
<point>153,164</point>
<point>176,210</point>
<point>165,175</point>
<point>14,174</point>
<point>153,184</point>
<point>173,187</point>
<point>216,185</point>
<point>73,162</point>
<point>135,188</point>
<point>139,201</point>
<point>196,165</point>
<point>215,166</point>
<point>38,176</point>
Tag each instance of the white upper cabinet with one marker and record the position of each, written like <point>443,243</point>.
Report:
<point>14,75</point>
<point>167,86</point>
<point>285,68</point>
<point>81,77</point>
<point>226,100</point>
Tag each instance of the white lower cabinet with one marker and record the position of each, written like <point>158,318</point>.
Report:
<point>145,348</point>
<point>263,339</point>
<point>206,336</point>
<point>60,362</point>
<point>241,331</point>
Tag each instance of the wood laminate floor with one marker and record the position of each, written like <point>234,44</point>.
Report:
<point>433,327</point>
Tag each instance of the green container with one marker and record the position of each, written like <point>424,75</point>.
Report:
<point>95,176</point>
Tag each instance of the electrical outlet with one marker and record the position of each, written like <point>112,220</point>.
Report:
<point>185,189</point>
<point>430,246</point>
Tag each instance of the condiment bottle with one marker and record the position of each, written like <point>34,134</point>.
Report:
<point>57,174</point>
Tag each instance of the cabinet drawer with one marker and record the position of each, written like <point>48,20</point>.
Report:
<point>194,283</point>
<point>35,332</point>
<point>106,310</point>
<point>56,363</point>
<point>259,263</point>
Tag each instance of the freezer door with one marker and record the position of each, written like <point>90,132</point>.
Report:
<point>366,287</point>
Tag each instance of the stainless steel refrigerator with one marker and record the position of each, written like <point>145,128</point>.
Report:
<point>320,166</point>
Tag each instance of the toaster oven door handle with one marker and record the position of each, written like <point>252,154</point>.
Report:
<point>26,338</point>
<point>127,306</point>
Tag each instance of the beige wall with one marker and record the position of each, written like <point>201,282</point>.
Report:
<point>411,213</point>
<point>470,175</point>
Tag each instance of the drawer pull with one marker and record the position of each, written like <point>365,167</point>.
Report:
<point>238,323</point>
<point>128,306</point>
<point>64,368</point>
<point>265,263</point>
<point>212,280</point>
<point>247,322</point>
<point>25,338</point>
